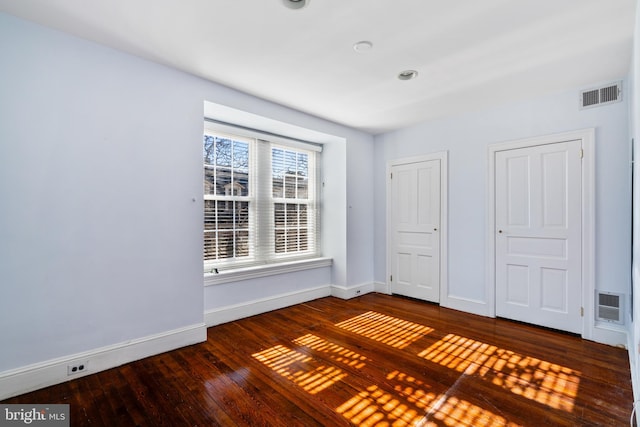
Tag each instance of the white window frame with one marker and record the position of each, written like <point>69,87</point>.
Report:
<point>311,203</point>
<point>250,198</point>
<point>224,271</point>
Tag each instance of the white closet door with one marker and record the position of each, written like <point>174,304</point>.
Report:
<point>538,235</point>
<point>415,230</point>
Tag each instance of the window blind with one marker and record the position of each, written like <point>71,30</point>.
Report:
<point>261,199</point>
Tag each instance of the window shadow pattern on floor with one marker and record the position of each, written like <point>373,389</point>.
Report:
<point>404,400</point>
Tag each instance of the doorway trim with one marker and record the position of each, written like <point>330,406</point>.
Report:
<point>443,156</point>
<point>587,136</point>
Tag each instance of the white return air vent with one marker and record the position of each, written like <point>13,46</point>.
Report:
<point>604,95</point>
<point>609,307</point>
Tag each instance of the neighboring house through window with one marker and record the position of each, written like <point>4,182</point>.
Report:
<point>260,200</point>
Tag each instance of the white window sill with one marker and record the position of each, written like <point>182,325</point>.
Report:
<point>211,279</point>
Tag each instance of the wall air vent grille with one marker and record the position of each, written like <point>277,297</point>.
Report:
<point>604,95</point>
<point>609,307</point>
<point>590,97</point>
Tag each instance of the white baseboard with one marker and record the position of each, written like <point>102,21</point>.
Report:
<point>344,292</point>
<point>44,374</point>
<point>608,335</point>
<point>381,287</point>
<point>480,308</point>
<point>230,313</point>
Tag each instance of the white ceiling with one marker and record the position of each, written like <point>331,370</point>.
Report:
<point>470,54</point>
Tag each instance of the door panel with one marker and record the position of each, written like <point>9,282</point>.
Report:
<point>518,185</point>
<point>555,288</point>
<point>415,223</point>
<point>538,235</point>
<point>518,289</point>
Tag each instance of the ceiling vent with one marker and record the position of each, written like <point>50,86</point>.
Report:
<point>609,307</point>
<point>603,95</point>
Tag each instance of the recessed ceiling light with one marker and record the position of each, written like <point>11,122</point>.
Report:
<point>363,46</point>
<point>295,4</point>
<point>408,75</point>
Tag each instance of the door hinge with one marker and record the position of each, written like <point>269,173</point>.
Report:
<point>391,278</point>
<point>391,175</point>
<point>581,311</point>
<point>582,153</point>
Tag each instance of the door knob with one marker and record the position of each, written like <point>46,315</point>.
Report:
<point>435,229</point>
<point>500,231</point>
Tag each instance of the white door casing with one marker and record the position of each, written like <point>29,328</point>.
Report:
<point>415,223</point>
<point>538,235</point>
<point>544,266</point>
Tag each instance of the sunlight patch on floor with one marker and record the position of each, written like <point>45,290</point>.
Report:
<point>334,351</point>
<point>404,400</point>
<point>389,330</point>
<point>376,407</point>
<point>452,411</point>
<point>298,368</point>
<point>550,384</point>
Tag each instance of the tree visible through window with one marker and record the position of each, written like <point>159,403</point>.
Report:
<point>227,202</point>
<point>259,202</point>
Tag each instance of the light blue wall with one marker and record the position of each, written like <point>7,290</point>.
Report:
<point>97,226</point>
<point>100,160</point>
<point>466,138</point>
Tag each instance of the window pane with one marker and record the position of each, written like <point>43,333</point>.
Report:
<point>291,173</point>
<point>209,215</point>
<point>303,176</point>
<point>289,186</point>
<point>226,166</point>
<point>304,239</point>
<point>277,172</point>
<point>292,240</point>
<point>241,215</point>
<point>303,164</point>
<point>210,245</point>
<point>242,243</point>
<point>303,188</point>
<point>226,228</point>
<point>292,215</point>
<point>291,227</point>
<point>303,217</point>
<point>290,164</point>
<point>241,157</point>
<point>225,212</point>
<point>208,153</point>
<point>209,180</point>
<point>223,152</point>
<point>279,215</point>
<point>280,241</point>
<point>225,244</point>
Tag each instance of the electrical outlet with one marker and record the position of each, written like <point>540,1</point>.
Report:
<point>78,367</point>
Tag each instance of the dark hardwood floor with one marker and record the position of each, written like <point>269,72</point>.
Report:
<point>376,360</point>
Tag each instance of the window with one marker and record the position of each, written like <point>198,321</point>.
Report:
<point>226,197</point>
<point>290,191</point>
<point>260,201</point>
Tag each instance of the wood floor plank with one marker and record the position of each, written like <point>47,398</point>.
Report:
<point>370,361</point>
